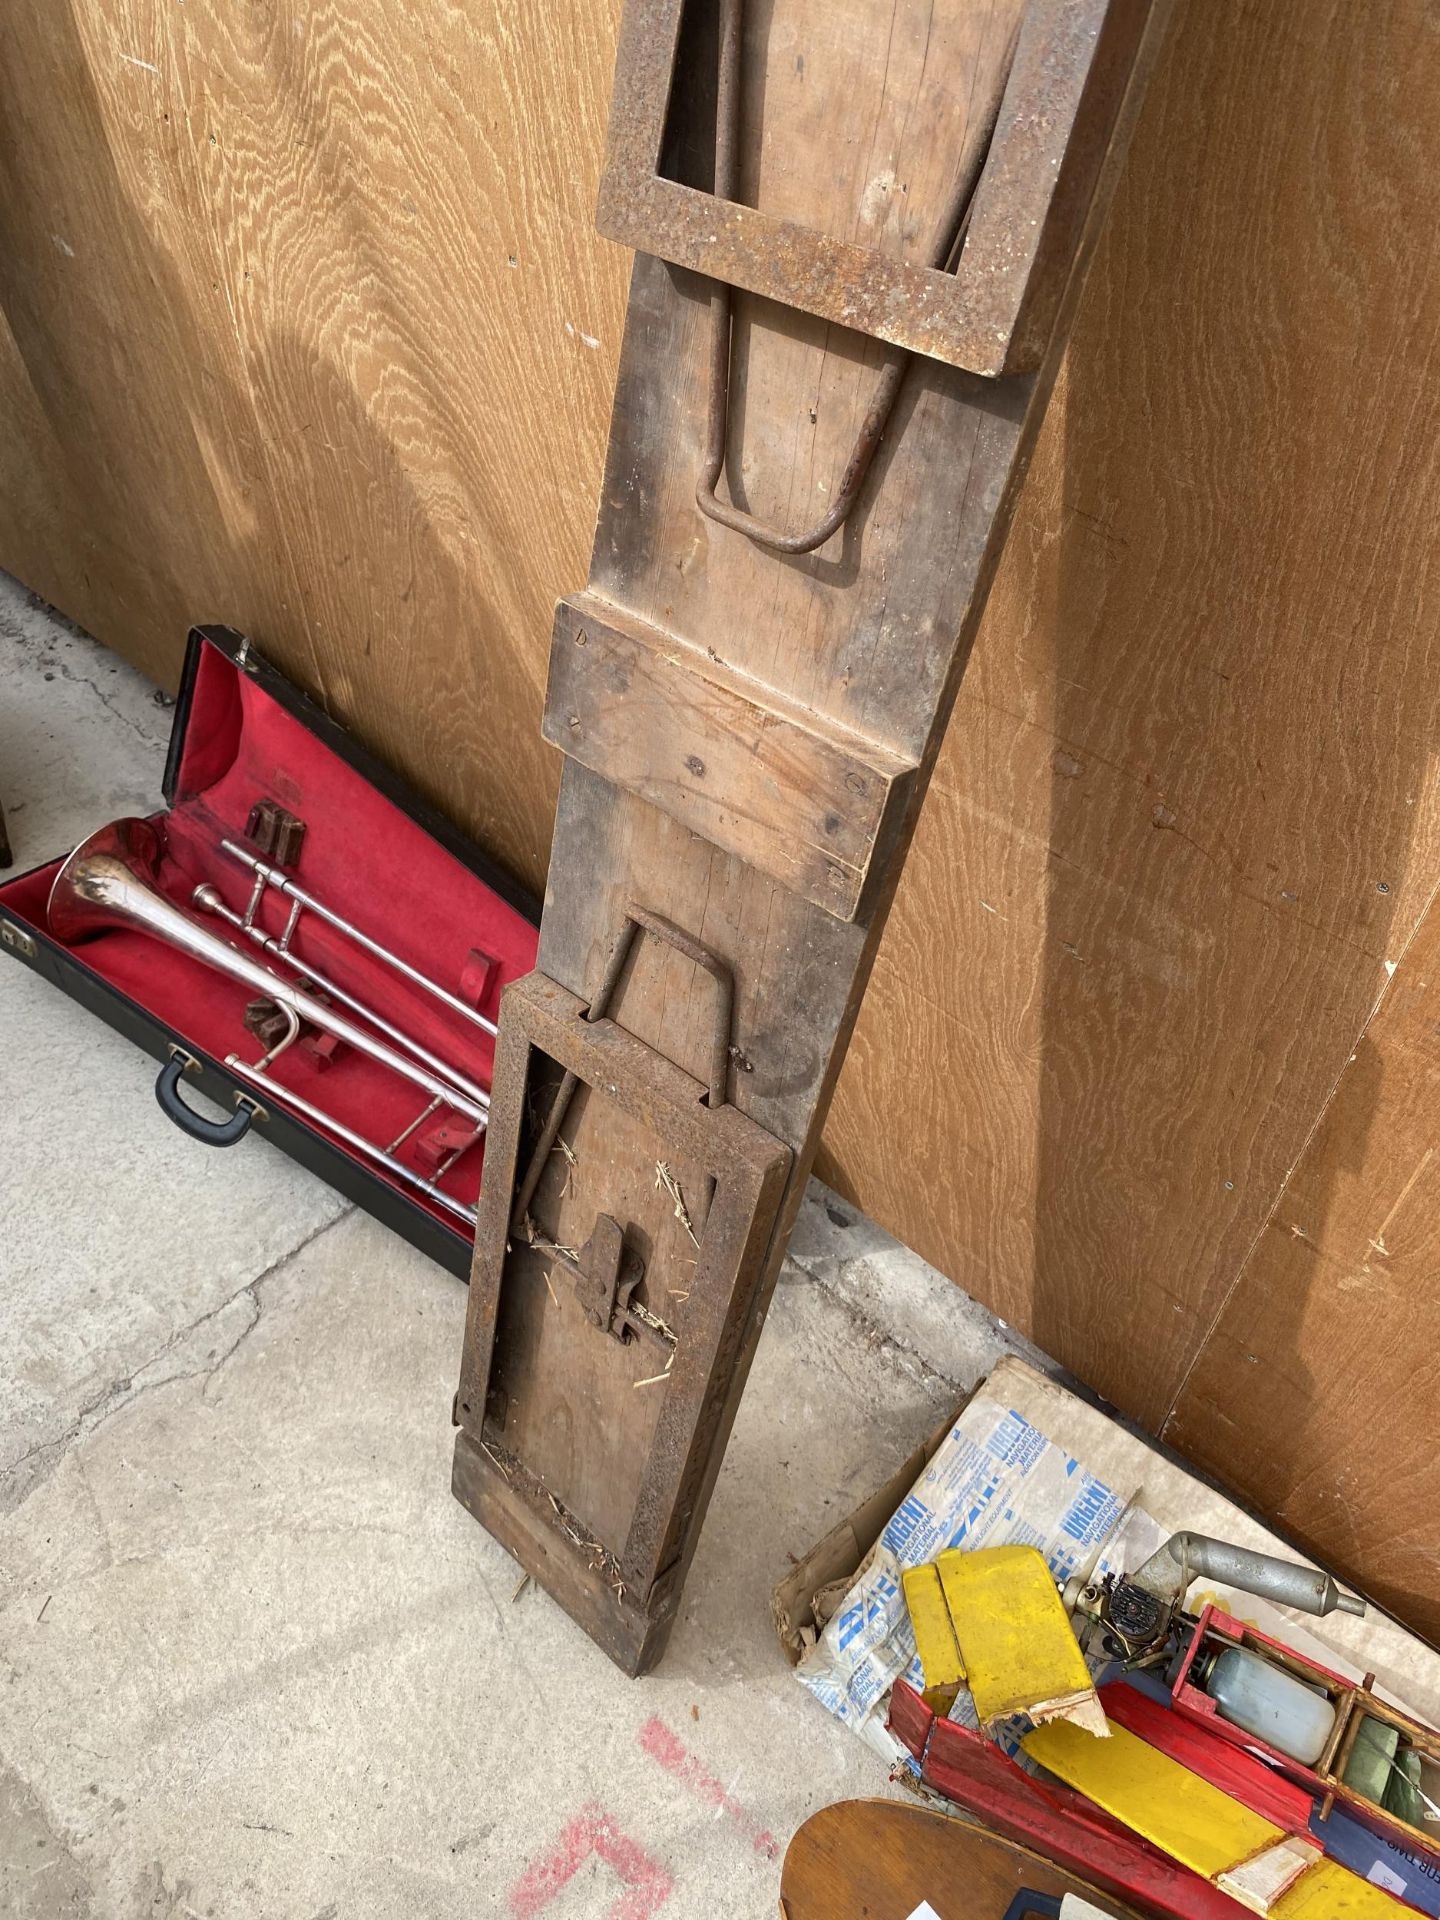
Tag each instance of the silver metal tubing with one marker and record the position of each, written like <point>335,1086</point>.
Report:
<point>270,876</point>
<point>287,1097</point>
<point>413,1126</point>
<point>1192,1556</point>
<point>105,883</point>
<point>209,898</point>
<point>109,883</point>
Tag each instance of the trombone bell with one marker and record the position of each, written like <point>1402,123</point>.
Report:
<point>95,890</point>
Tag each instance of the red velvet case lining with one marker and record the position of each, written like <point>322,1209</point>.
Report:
<point>366,860</point>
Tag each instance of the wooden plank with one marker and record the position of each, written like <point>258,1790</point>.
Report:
<point>1314,1396</point>
<point>872,636</point>
<point>1235,1770</point>
<point>941,1667</point>
<point>41,513</point>
<point>799,797</point>
<point>976,1775</point>
<point>321,343</point>
<point>1329,1891</point>
<point>1018,1650</point>
<point>1153,1795</point>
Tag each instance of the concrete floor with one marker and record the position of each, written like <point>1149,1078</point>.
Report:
<point>254,1660</point>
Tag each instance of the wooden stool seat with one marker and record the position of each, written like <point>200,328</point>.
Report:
<point>883,1859</point>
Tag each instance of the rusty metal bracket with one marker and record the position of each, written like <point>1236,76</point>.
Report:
<point>606,1276</point>
<point>1061,102</point>
<point>605,1273</point>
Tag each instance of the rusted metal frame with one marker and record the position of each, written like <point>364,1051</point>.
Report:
<point>637,920</point>
<point>542,1015</point>
<point>747,1167</point>
<point>722,303</point>
<point>997,311</point>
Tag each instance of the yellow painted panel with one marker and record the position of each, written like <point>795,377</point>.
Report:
<point>1016,1642</point>
<point>1328,1891</point>
<point>1156,1797</point>
<point>934,1634</point>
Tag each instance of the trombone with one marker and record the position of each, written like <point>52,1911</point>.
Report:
<point>109,881</point>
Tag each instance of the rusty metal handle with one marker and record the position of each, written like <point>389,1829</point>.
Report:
<point>892,377</point>
<point>640,920</point>
<point>637,920</point>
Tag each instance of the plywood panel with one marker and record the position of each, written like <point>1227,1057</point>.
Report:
<point>1315,1397</point>
<point>297,291</point>
<point>1185,812</point>
<point>266,358</point>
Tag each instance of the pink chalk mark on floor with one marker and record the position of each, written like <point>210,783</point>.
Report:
<point>662,1743</point>
<point>593,1831</point>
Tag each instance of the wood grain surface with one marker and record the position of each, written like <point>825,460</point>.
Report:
<point>312,334</point>
<point>264,357</point>
<point>1318,1389</point>
<point>880,1859</point>
<point>1186,812</point>
<point>761,776</point>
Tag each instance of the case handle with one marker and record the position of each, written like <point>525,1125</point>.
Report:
<point>214,1133</point>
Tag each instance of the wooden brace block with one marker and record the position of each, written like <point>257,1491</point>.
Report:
<point>1019,1651</point>
<point>776,784</point>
